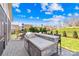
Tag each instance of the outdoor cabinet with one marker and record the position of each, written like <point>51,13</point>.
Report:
<point>34,51</point>
<point>40,47</point>
<point>26,43</point>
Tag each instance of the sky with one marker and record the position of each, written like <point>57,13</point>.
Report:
<point>43,13</point>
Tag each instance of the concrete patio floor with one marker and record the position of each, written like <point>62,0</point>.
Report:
<point>16,48</point>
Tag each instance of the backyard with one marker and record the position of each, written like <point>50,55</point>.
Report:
<point>13,36</point>
<point>69,31</point>
<point>69,42</point>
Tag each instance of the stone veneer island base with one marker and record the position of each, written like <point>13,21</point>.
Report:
<point>38,46</point>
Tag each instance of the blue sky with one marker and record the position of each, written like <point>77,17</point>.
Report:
<point>43,13</point>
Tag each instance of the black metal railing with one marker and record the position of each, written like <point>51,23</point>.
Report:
<point>59,42</point>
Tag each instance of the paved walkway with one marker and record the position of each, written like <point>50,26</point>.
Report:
<point>65,52</point>
<point>15,48</point>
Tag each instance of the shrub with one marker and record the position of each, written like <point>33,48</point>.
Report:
<point>64,34</point>
<point>13,33</point>
<point>51,32</point>
<point>75,34</point>
<point>25,30</point>
<point>36,30</point>
<point>56,32</point>
<point>32,29</point>
<point>43,30</point>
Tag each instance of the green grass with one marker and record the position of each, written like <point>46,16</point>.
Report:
<point>13,36</point>
<point>69,31</point>
<point>70,44</point>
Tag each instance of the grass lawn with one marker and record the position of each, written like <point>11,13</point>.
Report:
<point>13,36</point>
<point>70,44</point>
<point>69,31</point>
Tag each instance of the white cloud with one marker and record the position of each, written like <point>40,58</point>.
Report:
<point>69,14</point>
<point>43,6</point>
<point>55,6</point>
<point>37,17</point>
<point>55,18</point>
<point>47,12</point>
<point>28,10</point>
<point>64,14</point>
<point>50,8</point>
<point>77,8</point>
<point>76,14</point>
<point>31,17</point>
<point>18,10</point>
<point>16,23</point>
<point>22,16</point>
<point>16,5</point>
<point>58,18</point>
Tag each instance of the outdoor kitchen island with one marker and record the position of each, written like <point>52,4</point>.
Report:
<point>38,46</point>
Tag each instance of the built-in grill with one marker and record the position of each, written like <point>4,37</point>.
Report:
<point>41,44</point>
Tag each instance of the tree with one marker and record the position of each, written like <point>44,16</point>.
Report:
<point>75,34</point>
<point>56,32</point>
<point>31,29</point>
<point>35,29</point>
<point>51,32</point>
<point>25,30</point>
<point>64,34</point>
<point>44,30</point>
<point>41,29</point>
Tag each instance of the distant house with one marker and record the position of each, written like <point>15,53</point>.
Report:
<point>27,26</point>
<point>50,27</point>
<point>73,21</point>
<point>15,28</point>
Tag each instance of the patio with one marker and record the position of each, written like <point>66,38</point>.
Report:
<point>16,48</point>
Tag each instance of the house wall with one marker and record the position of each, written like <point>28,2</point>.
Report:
<point>5,25</point>
<point>6,17</point>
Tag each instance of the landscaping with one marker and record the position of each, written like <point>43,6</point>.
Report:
<point>69,38</point>
<point>71,44</point>
<point>69,31</point>
<point>13,36</point>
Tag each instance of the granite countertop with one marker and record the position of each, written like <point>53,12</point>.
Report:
<point>50,36</point>
<point>41,43</point>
